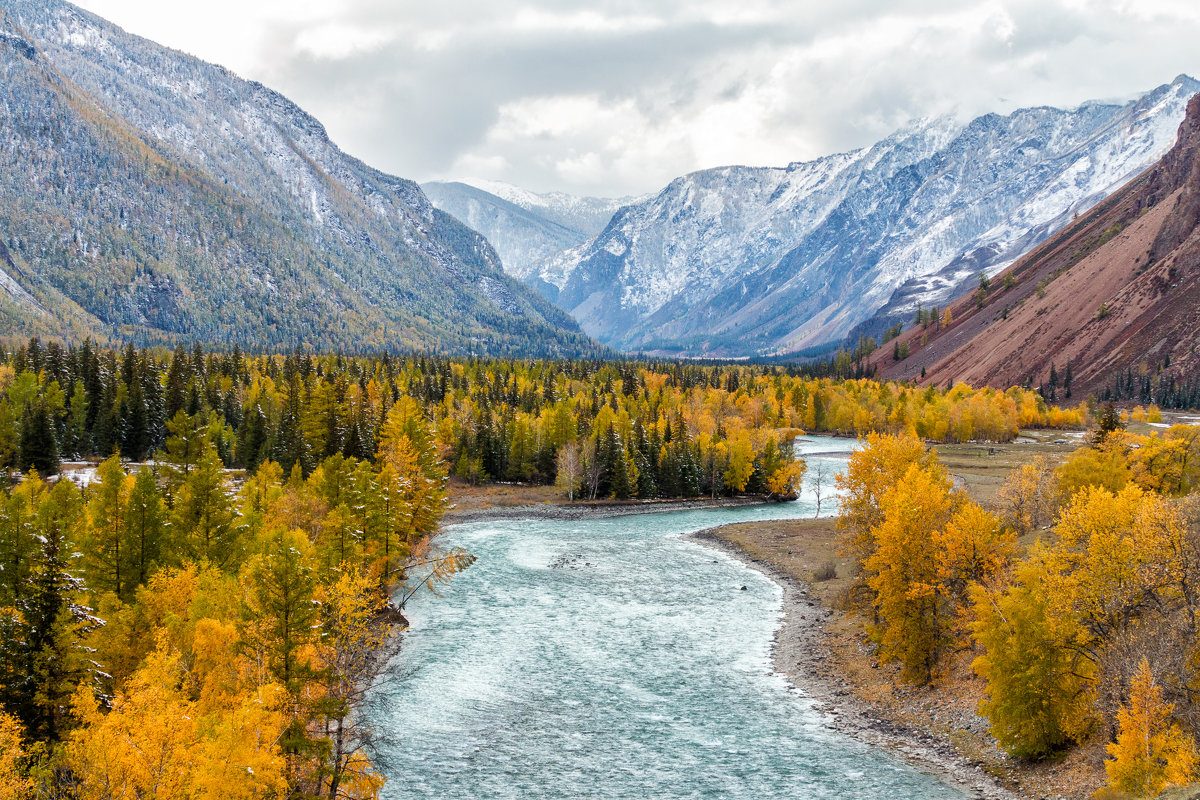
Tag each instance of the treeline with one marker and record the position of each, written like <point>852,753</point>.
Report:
<point>1089,632</point>
<point>1166,389</point>
<point>165,633</point>
<point>598,429</point>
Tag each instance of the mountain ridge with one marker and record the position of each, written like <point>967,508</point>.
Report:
<point>526,228</point>
<point>759,261</point>
<point>172,199</point>
<point>1115,292</point>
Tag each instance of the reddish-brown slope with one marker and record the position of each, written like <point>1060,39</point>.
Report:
<point>1117,289</point>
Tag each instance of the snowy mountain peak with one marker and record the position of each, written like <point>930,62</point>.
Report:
<point>755,261</point>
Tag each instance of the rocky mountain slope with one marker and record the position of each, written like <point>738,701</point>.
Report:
<point>1116,291</point>
<point>526,228</point>
<point>147,195</point>
<point>742,261</point>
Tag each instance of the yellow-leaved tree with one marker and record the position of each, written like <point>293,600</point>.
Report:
<point>1150,752</point>
<point>156,742</point>
<point>869,473</point>
<point>973,547</point>
<point>13,783</point>
<point>1028,497</point>
<point>903,571</point>
<point>1036,699</point>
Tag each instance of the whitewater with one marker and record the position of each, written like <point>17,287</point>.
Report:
<point>613,658</point>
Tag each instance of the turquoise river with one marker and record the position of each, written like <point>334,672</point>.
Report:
<point>613,658</point>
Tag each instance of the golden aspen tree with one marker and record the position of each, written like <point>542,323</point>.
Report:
<point>344,650</point>
<point>903,572</point>
<point>1026,499</point>
<point>1036,700</point>
<point>1157,464</point>
<point>1104,465</point>
<point>739,464</point>
<point>144,747</point>
<point>972,547</point>
<point>869,473</point>
<point>1097,561</point>
<point>1150,753</point>
<point>785,481</point>
<point>14,785</point>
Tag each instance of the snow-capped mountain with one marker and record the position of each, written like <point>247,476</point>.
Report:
<point>743,261</point>
<point>147,195</point>
<point>525,227</point>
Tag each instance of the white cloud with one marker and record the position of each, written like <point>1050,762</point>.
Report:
<point>620,96</point>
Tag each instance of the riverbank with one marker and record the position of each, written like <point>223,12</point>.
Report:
<point>467,503</point>
<point>822,649</point>
<point>809,641</point>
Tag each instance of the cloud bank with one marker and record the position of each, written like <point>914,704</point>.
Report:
<point>614,97</point>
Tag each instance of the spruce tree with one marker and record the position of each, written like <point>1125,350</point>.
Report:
<point>38,443</point>
<point>56,623</point>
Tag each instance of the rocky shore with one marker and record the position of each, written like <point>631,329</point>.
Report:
<point>593,509</point>
<point>802,653</point>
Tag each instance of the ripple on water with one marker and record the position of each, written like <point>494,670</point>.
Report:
<point>611,659</point>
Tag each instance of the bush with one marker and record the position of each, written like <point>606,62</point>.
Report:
<point>825,572</point>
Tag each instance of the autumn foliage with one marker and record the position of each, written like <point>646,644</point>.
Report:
<point>166,632</point>
<point>1091,632</point>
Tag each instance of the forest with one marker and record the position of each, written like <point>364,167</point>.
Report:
<point>596,428</point>
<point>1074,593</point>
<point>197,612</point>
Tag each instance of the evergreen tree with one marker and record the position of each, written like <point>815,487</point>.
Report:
<point>252,439</point>
<point>178,377</point>
<point>146,527</point>
<point>135,439</point>
<point>56,624</point>
<point>203,517</point>
<point>38,443</point>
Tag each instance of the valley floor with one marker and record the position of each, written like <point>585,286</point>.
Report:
<point>821,646</point>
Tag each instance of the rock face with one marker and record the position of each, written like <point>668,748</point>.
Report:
<point>745,261</point>
<point>1116,291</point>
<point>526,228</point>
<point>149,196</point>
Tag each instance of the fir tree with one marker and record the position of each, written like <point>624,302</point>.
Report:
<point>38,443</point>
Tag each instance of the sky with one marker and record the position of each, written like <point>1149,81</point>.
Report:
<point>617,97</point>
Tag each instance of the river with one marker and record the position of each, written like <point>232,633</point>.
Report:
<point>613,658</point>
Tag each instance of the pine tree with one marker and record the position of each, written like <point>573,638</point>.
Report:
<point>146,527</point>
<point>135,439</point>
<point>55,622</point>
<point>203,519</point>
<point>38,443</point>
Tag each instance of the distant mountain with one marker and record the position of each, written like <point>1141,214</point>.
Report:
<point>742,261</point>
<point>1117,291</point>
<point>526,228</point>
<point>149,196</point>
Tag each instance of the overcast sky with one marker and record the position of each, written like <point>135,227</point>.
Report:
<point>614,97</point>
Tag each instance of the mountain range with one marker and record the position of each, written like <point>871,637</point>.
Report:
<point>525,227</point>
<point>1116,292</point>
<point>146,195</point>
<point>752,261</point>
